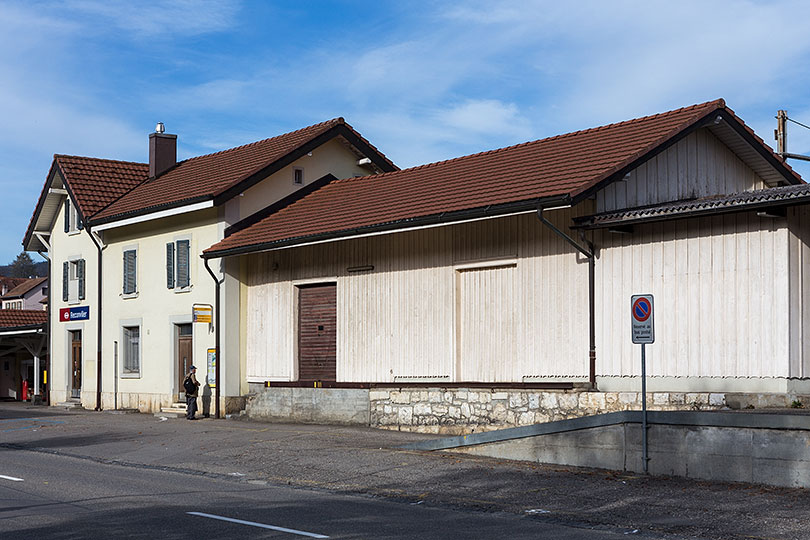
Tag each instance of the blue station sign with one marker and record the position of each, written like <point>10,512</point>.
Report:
<point>69,314</point>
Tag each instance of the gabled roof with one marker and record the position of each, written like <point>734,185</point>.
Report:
<point>224,174</point>
<point>22,319</point>
<point>559,170</point>
<point>107,190</point>
<point>23,288</point>
<point>91,182</point>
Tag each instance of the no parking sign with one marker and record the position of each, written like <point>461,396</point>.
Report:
<point>641,318</point>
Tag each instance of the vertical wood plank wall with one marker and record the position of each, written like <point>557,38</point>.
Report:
<point>401,319</point>
<point>799,223</point>
<point>699,165</point>
<point>722,297</point>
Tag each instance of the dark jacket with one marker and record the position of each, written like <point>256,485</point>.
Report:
<point>196,385</point>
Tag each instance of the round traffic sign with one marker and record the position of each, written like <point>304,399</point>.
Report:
<point>641,309</point>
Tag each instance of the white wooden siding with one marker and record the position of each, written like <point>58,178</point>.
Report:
<point>699,165</point>
<point>721,298</point>
<point>488,323</point>
<point>799,269</point>
<point>401,318</point>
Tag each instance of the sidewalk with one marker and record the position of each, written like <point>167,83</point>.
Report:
<point>369,461</point>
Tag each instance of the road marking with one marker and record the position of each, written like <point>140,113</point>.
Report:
<point>11,478</point>
<point>260,525</point>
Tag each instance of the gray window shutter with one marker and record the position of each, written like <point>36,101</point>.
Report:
<point>67,215</point>
<point>65,273</point>
<point>130,283</point>
<point>183,249</point>
<point>80,276</point>
<point>170,265</point>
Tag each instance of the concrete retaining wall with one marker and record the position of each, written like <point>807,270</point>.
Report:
<point>743,450</point>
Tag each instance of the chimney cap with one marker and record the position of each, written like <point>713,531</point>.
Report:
<point>160,128</point>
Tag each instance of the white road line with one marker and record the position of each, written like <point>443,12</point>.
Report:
<point>11,478</point>
<point>260,525</point>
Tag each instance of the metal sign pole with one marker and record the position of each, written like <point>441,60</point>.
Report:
<point>643,332</point>
<point>644,407</point>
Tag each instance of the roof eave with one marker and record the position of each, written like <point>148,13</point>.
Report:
<point>402,225</point>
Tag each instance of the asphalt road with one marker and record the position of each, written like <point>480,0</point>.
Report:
<point>103,467</point>
<point>48,496</point>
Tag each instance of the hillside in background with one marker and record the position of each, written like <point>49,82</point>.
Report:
<point>40,270</point>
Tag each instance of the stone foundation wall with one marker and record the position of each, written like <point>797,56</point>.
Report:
<point>464,410</point>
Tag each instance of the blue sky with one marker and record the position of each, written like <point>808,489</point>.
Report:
<point>423,81</point>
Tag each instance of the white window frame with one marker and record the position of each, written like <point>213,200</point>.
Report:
<point>73,218</point>
<point>124,325</point>
<point>73,280</point>
<point>133,294</point>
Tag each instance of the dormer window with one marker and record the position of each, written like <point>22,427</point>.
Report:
<point>73,224</point>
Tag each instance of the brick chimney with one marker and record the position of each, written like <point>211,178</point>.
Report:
<point>162,151</point>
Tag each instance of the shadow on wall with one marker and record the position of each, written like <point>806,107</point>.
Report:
<point>206,400</point>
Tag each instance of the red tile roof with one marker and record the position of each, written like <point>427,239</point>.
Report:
<point>23,288</point>
<point>557,168</point>
<point>95,183</point>
<point>21,318</point>
<point>207,176</point>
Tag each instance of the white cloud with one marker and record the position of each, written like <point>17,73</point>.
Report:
<point>159,19</point>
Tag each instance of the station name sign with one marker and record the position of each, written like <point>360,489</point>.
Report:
<point>74,314</point>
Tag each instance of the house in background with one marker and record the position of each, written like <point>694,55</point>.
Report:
<point>23,353</point>
<point>494,289</point>
<point>30,294</point>
<point>124,242</point>
<point>8,283</point>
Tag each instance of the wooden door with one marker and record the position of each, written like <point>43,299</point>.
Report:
<point>76,363</point>
<point>317,333</point>
<point>184,353</point>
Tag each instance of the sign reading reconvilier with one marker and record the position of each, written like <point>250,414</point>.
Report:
<point>641,318</point>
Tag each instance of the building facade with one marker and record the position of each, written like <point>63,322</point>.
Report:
<point>124,243</point>
<point>494,289</point>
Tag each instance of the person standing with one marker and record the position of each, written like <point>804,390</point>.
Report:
<point>191,387</point>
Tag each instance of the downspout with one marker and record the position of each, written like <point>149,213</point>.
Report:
<point>589,253</point>
<point>217,283</point>
<point>99,247</point>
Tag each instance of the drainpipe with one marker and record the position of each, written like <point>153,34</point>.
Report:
<point>217,283</point>
<point>589,253</point>
<point>99,247</point>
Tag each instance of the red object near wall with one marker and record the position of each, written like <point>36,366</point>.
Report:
<point>25,390</point>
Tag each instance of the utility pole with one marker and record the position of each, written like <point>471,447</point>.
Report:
<point>780,134</point>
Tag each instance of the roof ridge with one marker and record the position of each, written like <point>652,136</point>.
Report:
<point>333,121</point>
<point>720,102</point>
<point>57,156</point>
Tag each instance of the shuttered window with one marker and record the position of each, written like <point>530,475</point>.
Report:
<point>130,271</point>
<point>72,221</point>
<point>132,349</point>
<point>178,265</point>
<point>73,280</point>
<point>67,215</point>
<point>80,277</point>
<point>170,265</point>
<point>182,263</point>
